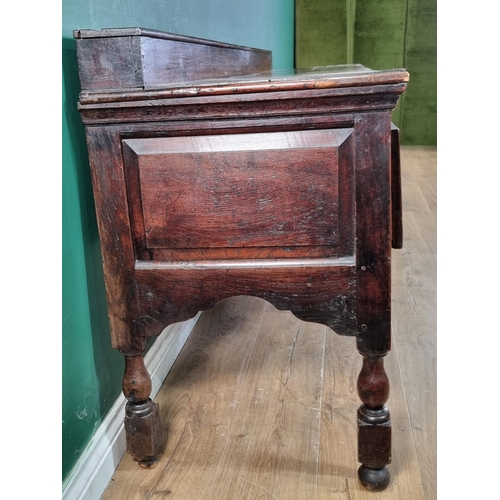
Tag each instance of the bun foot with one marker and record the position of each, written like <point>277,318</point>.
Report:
<point>150,463</point>
<point>374,479</point>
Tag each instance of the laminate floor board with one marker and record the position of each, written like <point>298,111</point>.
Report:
<point>338,446</point>
<point>419,172</point>
<point>196,401</point>
<point>274,438</point>
<point>414,299</point>
<point>260,405</point>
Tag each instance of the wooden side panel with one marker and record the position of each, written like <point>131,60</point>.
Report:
<point>173,61</point>
<point>248,190</point>
<point>235,200</point>
<point>110,62</point>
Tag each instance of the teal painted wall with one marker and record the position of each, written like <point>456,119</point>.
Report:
<point>92,370</point>
<point>381,34</point>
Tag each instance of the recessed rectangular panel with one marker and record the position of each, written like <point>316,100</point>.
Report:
<point>241,190</point>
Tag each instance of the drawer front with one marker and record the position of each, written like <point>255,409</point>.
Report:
<point>281,189</point>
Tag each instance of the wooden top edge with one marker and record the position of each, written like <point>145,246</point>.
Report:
<point>274,81</point>
<point>122,32</point>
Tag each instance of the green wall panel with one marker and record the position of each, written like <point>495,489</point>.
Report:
<point>420,101</point>
<point>379,37</point>
<point>380,34</point>
<point>92,370</point>
<point>321,33</point>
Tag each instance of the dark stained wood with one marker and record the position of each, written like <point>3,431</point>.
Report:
<point>143,428</point>
<point>237,105</point>
<point>373,383</point>
<point>344,78</point>
<point>373,219</point>
<point>374,424</point>
<point>112,209</point>
<point>198,400</point>
<point>396,190</point>
<point>235,190</point>
<point>136,382</point>
<point>144,432</point>
<point>131,58</point>
<point>238,253</point>
<point>324,292</point>
<point>275,185</point>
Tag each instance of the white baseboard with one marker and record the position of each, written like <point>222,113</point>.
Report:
<point>92,473</point>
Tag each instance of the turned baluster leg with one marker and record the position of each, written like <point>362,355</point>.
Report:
<point>374,424</point>
<point>142,417</point>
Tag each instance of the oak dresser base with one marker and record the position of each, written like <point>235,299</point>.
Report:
<point>284,186</point>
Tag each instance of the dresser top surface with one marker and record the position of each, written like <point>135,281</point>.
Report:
<point>350,74</point>
<point>322,77</point>
<point>128,64</point>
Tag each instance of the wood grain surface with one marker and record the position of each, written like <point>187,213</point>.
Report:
<point>234,190</point>
<point>139,58</point>
<point>260,405</point>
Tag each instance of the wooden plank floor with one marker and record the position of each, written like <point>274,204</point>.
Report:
<point>260,405</point>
